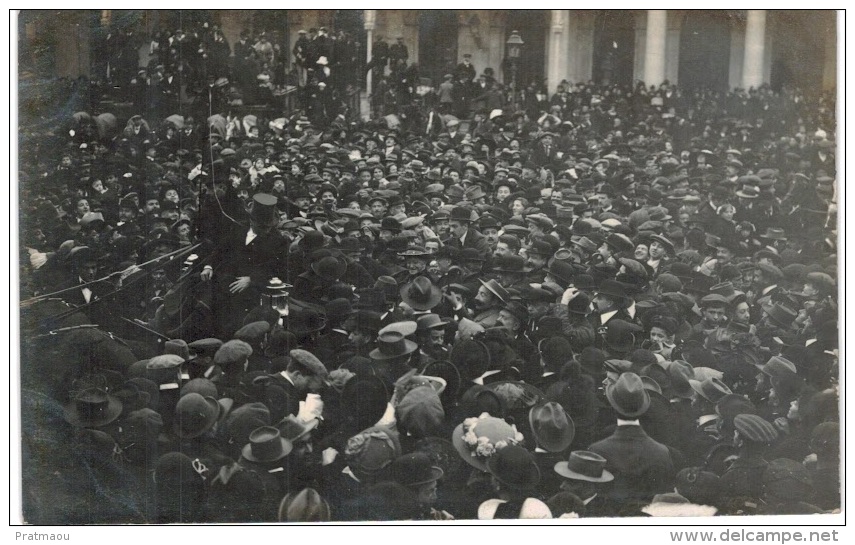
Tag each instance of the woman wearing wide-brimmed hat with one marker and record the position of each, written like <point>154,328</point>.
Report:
<point>515,477</point>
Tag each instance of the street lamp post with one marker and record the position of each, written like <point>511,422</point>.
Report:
<point>514,47</point>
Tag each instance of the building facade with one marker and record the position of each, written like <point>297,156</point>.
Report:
<point>721,49</point>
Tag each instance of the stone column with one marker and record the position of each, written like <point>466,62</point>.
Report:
<point>755,48</point>
<point>555,71</point>
<point>370,17</point>
<point>829,67</point>
<point>654,51</point>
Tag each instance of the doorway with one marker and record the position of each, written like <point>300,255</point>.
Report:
<point>437,44</point>
<point>705,50</point>
<point>614,52</point>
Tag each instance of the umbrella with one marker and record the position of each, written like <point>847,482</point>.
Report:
<point>176,120</point>
<point>108,126</point>
<point>249,121</point>
<point>217,125</point>
<point>392,121</point>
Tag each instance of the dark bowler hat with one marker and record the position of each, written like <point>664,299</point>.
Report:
<point>583,465</point>
<point>329,268</point>
<point>613,288</point>
<point>580,304</point>
<point>266,444</point>
<point>515,467</point>
<point>413,469</point>
<point>338,307</point>
<point>628,396</point>
<point>562,271</point>
<point>305,321</point>
<point>195,414</point>
<point>461,213</point>
<point>366,397</point>
<point>389,223</point>
<point>620,335</point>
<point>509,263</point>
<point>619,242</point>
<point>541,247</point>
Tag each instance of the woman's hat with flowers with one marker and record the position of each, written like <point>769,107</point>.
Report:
<point>478,438</point>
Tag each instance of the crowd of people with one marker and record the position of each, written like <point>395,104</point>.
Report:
<point>611,302</point>
<point>195,65</point>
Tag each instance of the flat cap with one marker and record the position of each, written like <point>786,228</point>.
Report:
<point>755,428</point>
<point>309,361</point>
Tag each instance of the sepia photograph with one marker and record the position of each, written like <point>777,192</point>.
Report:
<point>385,265</point>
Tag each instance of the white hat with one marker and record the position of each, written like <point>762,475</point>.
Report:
<point>323,61</point>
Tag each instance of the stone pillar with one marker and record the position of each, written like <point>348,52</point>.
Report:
<point>829,68</point>
<point>654,51</point>
<point>72,45</point>
<point>556,71</point>
<point>737,53</point>
<point>672,46</point>
<point>755,48</point>
<point>370,17</point>
<point>579,36</point>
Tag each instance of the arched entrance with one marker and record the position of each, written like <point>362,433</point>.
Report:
<point>532,24</point>
<point>614,51</point>
<point>437,43</point>
<point>705,50</point>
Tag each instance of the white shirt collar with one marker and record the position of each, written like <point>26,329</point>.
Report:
<point>250,236</point>
<point>347,471</point>
<point>622,422</point>
<point>287,377</point>
<point>607,316</point>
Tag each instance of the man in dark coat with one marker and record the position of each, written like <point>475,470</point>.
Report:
<point>243,264</point>
<point>463,235</point>
<point>465,71</point>
<point>398,51</point>
<point>642,467</point>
